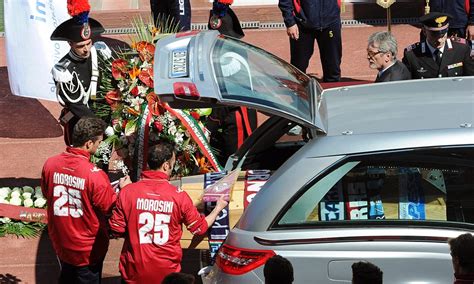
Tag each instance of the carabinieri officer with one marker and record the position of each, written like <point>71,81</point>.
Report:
<point>438,56</point>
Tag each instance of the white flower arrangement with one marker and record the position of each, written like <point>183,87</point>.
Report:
<point>26,196</point>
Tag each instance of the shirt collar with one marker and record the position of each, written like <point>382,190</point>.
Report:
<point>150,174</point>
<point>381,72</point>
<point>432,49</point>
<point>78,152</point>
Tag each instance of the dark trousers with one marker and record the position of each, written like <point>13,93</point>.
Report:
<point>330,47</point>
<point>178,10</point>
<point>71,274</point>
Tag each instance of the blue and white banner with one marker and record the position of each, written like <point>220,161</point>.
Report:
<point>30,52</point>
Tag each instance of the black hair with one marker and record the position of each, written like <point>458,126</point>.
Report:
<point>87,128</point>
<point>366,273</point>
<point>462,248</point>
<point>160,153</point>
<point>278,269</point>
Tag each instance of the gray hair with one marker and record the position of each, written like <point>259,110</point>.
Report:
<point>386,42</point>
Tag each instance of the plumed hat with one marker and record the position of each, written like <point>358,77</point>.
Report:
<point>80,27</point>
<point>435,20</point>
<point>223,19</point>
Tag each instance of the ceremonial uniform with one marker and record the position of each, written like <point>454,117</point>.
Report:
<point>398,71</point>
<point>150,213</point>
<point>456,61</point>
<point>79,196</point>
<point>320,21</point>
<point>76,81</point>
<point>177,10</point>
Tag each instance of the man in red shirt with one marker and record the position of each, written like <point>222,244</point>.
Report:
<point>79,195</point>
<point>150,214</point>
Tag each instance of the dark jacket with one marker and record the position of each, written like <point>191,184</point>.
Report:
<point>456,61</point>
<point>318,14</point>
<point>396,72</point>
<point>456,8</point>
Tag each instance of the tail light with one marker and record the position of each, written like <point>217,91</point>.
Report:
<point>236,261</point>
<point>185,89</point>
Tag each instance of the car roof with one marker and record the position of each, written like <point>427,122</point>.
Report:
<point>439,103</point>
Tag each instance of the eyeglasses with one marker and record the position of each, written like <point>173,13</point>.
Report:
<point>373,54</point>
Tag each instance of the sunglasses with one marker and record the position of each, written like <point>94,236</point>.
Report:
<point>373,54</point>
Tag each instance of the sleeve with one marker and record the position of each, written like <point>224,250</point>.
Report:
<point>406,62</point>
<point>44,183</point>
<point>117,222</point>
<point>194,221</point>
<point>471,12</point>
<point>78,109</point>
<point>103,195</point>
<point>287,11</point>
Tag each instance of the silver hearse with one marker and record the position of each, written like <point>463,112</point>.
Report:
<point>382,172</point>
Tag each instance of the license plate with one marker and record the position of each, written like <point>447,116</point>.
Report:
<point>179,63</point>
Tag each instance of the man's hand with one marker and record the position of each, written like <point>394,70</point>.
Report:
<point>125,181</point>
<point>293,32</point>
<point>222,202</point>
<point>470,32</point>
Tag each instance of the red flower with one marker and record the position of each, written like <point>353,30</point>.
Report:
<point>158,125</point>
<point>146,76</point>
<point>145,50</point>
<point>113,99</point>
<point>154,104</point>
<point>119,68</point>
<point>124,123</point>
<point>134,91</point>
<point>195,115</point>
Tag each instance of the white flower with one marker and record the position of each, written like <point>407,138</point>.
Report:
<point>40,202</point>
<point>15,201</point>
<point>38,189</point>
<point>136,103</point>
<point>145,65</point>
<point>17,189</point>
<point>15,194</point>
<point>28,202</point>
<point>26,195</point>
<point>142,90</point>
<point>28,189</point>
<point>109,131</point>
<point>5,220</point>
<point>172,130</point>
<point>122,85</point>
<point>4,191</point>
<point>38,194</point>
<point>3,201</point>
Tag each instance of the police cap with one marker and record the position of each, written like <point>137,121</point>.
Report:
<point>72,30</point>
<point>435,21</point>
<point>228,24</point>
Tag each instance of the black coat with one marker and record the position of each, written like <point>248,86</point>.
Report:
<point>310,14</point>
<point>396,72</point>
<point>456,61</point>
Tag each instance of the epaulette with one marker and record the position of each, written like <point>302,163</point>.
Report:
<point>103,49</point>
<point>60,72</point>
<point>412,46</point>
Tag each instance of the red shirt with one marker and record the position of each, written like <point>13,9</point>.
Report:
<point>78,195</point>
<point>151,213</point>
<point>467,278</point>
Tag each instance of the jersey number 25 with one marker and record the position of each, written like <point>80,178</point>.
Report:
<point>158,224</point>
<point>67,195</point>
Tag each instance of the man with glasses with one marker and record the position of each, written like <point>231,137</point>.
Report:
<point>438,56</point>
<point>382,55</point>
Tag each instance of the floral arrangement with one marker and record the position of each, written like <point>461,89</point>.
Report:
<point>137,117</point>
<point>25,196</point>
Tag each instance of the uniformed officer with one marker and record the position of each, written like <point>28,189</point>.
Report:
<point>438,56</point>
<point>76,75</point>
<point>307,21</point>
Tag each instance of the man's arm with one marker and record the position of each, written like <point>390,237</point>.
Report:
<point>287,11</point>
<point>117,222</point>
<point>103,195</point>
<point>468,63</point>
<point>196,223</point>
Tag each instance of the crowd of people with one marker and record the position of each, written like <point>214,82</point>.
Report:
<point>84,210</point>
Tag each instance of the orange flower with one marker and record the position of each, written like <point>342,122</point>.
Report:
<point>134,72</point>
<point>133,111</point>
<point>145,50</point>
<point>204,165</point>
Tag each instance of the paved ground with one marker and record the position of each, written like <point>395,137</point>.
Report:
<point>31,261</point>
